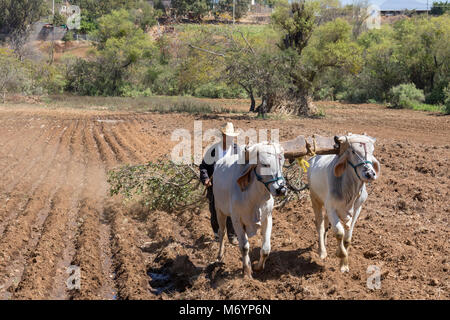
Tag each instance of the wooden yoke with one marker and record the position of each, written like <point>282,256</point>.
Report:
<point>302,146</point>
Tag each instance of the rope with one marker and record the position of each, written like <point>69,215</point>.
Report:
<point>302,162</point>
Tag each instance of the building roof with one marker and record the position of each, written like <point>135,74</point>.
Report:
<point>400,5</point>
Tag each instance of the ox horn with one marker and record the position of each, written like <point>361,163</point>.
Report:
<point>340,140</point>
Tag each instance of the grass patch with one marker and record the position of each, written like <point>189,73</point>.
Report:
<point>428,107</point>
<point>162,104</point>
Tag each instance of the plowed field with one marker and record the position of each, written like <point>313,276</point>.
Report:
<point>55,212</point>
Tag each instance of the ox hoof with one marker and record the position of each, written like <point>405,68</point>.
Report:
<point>247,273</point>
<point>345,269</point>
<point>322,255</point>
<point>248,276</point>
<point>257,268</point>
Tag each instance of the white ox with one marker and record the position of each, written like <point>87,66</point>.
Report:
<point>338,183</point>
<point>244,190</point>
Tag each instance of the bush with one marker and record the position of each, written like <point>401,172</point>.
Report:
<point>447,99</point>
<point>69,36</point>
<point>159,185</point>
<point>46,79</point>
<point>27,77</point>
<point>325,93</point>
<point>437,95</point>
<point>405,96</point>
<point>353,95</point>
<point>192,9</point>
<point>14,76</point>
<point>220,90</point>
<point>225,7</point>
<point>129,91</point>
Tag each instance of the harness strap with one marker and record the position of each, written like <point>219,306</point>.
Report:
<point>359,164</point>
<point>266,183</point>
<point>363,161</point>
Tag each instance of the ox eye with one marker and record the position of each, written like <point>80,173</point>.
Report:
<point>266,165</point>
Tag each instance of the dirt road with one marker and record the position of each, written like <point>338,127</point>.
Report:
<point>55,212</point>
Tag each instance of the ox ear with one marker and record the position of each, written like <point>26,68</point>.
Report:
<point>244,179</point>
<point>342,143</point>
<point>376,166</point>
<point>341,165</point>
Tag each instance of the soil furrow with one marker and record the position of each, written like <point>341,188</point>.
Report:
<point>77,177</point>
<point>106,152</point>
<point>47,263</point>
<point>129,264</point>
<point>23,233</point>
<point>93,253</point>
<point>19,194</point>
<point>126,142</point>
<point>27,163</point>
<point>114,145</point>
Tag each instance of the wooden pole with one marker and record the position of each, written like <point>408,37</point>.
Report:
<point>309,146</point>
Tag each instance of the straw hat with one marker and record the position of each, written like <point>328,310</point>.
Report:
<point>228,129</point>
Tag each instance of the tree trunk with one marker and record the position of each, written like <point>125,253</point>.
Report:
<point>253,102</point>
<point>263,107</point>
<point>306,106</point>
<point>299,104</point>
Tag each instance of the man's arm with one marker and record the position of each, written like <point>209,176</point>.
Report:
<point>205,168</point>
<point>204,172</point>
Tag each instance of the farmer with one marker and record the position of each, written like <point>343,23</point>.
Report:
<point>215,153</point>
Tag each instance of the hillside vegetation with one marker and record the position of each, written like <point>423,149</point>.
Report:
<point>311,50</point>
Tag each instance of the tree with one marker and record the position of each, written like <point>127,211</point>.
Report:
<point>16,18</point>
<point>261,73</point>
<point>297,21</point>
<point>145,16</point>
<point>359,16</point>
<point>241,7</point>
<point>17,15</point>
<point>120,45</point>
<point>13,74</point>
<point>311,50</point>
<point>191,9</point>
<point>439,8</point>
<point>413,50</point>
<point>423,50</point>
<point>91,10</point>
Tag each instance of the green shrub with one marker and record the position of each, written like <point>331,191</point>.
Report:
<point>27,76</point>
<point>219,90</point>
<point>226,6</point>
<point>447,99</point>
<point>132,92</point>
<point>405,96</point>
<point>437,95</point>
<point>325,93</point>
<point>46,79</point>
<point>69,36</point>
<point>354,95</point>
<point>14,76</point>
<point>164,82</point>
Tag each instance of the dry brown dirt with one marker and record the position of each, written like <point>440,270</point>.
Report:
<point>55,212</point>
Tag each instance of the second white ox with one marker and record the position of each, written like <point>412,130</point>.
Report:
<point>244,192</point>
<point>338,183</point>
